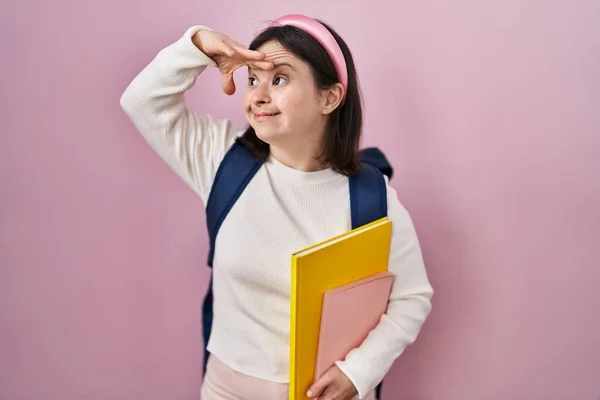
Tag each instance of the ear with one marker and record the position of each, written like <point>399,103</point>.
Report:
<point>332,98</point>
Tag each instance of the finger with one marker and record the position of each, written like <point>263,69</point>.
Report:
<point>227,83</point>
<point>226,48</point>
<point>242,45</point>
<point>237,46</point>
<point>319,386</point>
<point>250,54</point>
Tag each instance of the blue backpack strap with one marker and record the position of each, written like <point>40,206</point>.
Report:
<point>375,157</point>
<point>236,170</point>
<point>368,192</point>
<point>207,320</point>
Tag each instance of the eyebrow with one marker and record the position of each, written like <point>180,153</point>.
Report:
<point>284,64</point>
<point>278,65</point>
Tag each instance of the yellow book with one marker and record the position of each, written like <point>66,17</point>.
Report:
<point>349,257</point>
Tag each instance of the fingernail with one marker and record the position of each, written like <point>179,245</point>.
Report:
<point>309,394</point>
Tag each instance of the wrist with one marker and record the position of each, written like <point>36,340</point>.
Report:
<point>197,41</point>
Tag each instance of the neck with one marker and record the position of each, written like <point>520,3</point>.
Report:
<point>298,158</point>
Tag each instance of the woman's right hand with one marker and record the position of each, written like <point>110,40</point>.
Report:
<point>229,55</point>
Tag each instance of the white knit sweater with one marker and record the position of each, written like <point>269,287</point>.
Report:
<point>282,210</point>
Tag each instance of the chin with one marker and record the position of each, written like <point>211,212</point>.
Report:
<point>266,135</point>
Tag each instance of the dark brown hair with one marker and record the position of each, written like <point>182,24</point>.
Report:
<point>342,137</point>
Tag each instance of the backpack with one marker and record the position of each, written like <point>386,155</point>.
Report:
<point>368,202</point>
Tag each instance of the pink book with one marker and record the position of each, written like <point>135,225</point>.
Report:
<point>349,313</point>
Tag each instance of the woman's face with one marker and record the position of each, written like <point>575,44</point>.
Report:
<point>283,105</point>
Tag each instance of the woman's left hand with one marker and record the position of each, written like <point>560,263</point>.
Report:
<point>332,385</point>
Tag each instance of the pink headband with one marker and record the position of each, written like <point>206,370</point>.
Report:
<point>323,36</point>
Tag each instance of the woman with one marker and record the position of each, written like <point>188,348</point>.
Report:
<point>303,105</point>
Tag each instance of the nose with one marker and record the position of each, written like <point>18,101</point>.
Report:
<point>261,94</point>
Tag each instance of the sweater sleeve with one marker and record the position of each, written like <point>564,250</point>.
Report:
<point>191,145</point>
<point>408,308</point>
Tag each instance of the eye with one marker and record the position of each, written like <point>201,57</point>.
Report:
<point>279,80</point>
<point>252,81</point>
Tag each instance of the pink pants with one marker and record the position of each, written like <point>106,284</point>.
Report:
<point>223,383</point>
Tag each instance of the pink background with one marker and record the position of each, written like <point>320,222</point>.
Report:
<point>488,111</point>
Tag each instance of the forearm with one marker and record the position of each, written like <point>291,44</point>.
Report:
<point>190,144</point>
<point>408,307</point>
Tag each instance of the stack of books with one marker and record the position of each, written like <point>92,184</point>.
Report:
<point>339,291</point>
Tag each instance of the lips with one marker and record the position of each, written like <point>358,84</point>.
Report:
<point>263,116</point>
